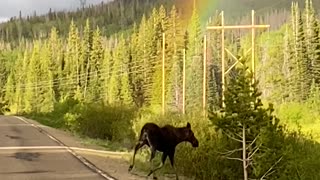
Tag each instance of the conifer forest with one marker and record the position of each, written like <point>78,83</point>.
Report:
<point>98,72</point>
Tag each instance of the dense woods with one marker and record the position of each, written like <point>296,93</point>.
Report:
<point>111,17</point>
<point>89,67</point>
<point>98,71</point>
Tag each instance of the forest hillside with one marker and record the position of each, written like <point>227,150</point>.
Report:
<point>104,71</point>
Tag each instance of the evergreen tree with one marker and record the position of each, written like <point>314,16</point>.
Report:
<point>288,65</point>
<point>314,97</point>
<point>316,52</point>
<point>119,90</point>
<point>174,60</point>
<point>136,65</point>
<point>214,65</point>
<point>96,60</point>
<point>154,60</point>
<point>303,63</point>
<point>156,98</point>
<point>113,85</point>
<point>23,82</point>
<point>125,87</point>
<point>85,58</point>
<point>55,47</point>
<point>10,91</point>
<point>194,72</point>
<point>70,86</point>
<point>45,89</point>
<point>107,62</point>
<point>246,125</point>
<point>19,71</point>
<point>31,86</point>
<point>139,60</point>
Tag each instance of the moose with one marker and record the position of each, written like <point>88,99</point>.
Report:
<point>163,139</point>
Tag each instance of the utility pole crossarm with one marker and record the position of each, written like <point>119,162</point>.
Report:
<point>237,27</point>
<point>224,27</point>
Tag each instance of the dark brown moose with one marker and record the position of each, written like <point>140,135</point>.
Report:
<point>163,139</point>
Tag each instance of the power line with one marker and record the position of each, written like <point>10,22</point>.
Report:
<point>59,84</point>
<point>82,75</point>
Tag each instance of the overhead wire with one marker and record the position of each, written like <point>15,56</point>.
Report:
<point>59,84</point>
<point>76,76</point>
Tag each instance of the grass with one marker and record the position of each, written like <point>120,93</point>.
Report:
<point>311,130</point>
<point>300,117</point>
<point>104,144</point>
<point>47,120</point>
<point>202,162</point>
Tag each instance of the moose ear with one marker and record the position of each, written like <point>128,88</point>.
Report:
<point>188,125</point>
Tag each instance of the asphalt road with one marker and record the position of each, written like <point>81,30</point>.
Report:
<point>42,159</point>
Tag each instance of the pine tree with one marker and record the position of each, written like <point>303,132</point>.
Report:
<point>70,86</point>
<point>10,91</point>
<point>174,60</point>
<point>119,90</point>
<point>163,19</point>
<point>316,52</point>
<point>194,72</point>
<point>288,65</point>
<point>155,60</point>
<point>246,125</point>
<point>301,71</point>
<point>96,60</point>
<point>20,73</point>
<point>312,39</point>
<point>314,97</point>
<point>303,63</point>
<point>46,97</point>
<point>136,67</point>
<point>125,87</point>
<point>31,87</point>
<point>139,62</point>
<point>113,84</point>
<point>86,48</point>
<point>56,62</point>
<point>107,62</point>
<point>156,98</point>
<point>23,82</point>
<point>214,65</point>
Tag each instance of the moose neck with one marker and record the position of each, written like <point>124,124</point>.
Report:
<point>180,136</point>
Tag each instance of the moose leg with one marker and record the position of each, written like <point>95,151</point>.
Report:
<point>163,159</point>
<point>171,157</point>
<point>153,154</point>
<point>137,147</point>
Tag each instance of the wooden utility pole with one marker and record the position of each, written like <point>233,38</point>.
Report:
<point>253,68</point>
<point>184,83</point>
<point>204,75</point>
<point>223,27</point>
<point>163,71</point>
<point>223,59</point>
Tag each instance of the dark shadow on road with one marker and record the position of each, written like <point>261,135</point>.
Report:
<point>26,156</point>
<point>27,172</point>
<point>13,137</point>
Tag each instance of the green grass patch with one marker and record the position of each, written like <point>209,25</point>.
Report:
<point>117,128</point>
<point>106,145</point>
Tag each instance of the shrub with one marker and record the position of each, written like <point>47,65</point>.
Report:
<point>297,113</point>
<point>203,162</point>
<point>107,122</point>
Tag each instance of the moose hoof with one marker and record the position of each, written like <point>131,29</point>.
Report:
<point>155,178</point>
<point>130,168</point>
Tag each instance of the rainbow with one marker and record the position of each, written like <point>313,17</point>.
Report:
<point>205,8</point>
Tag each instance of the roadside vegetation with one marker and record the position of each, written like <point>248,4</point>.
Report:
<point>104,88</point>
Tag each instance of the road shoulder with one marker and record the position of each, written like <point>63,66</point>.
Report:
<point>113,163</point>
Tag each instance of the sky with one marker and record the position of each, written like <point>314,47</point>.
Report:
<point>10,8</point>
